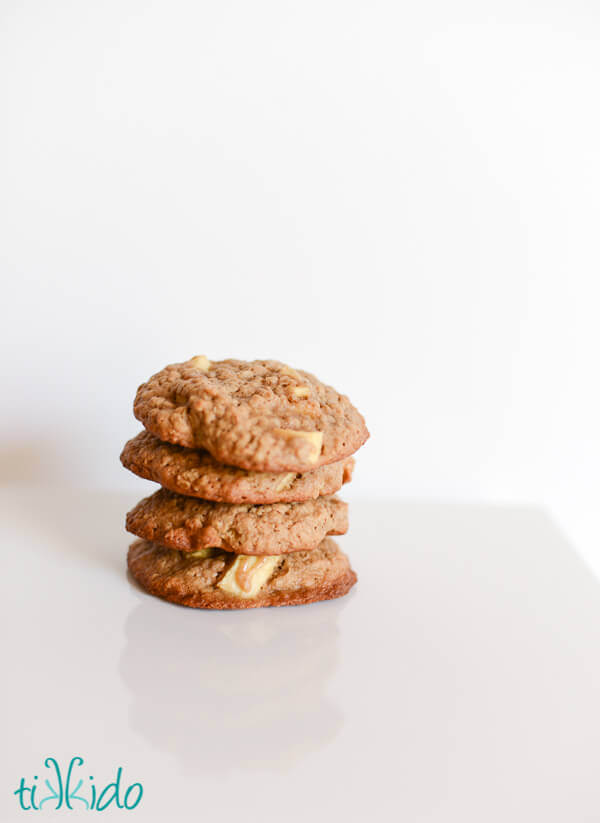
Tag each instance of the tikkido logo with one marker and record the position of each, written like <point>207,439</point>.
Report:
<point>68,790</point>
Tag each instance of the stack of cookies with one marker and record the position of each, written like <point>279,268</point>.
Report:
<point>249,456</point>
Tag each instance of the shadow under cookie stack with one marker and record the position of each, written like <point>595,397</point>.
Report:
<point>249,456</point>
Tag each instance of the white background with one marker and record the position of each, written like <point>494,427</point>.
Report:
<point>402,198</point>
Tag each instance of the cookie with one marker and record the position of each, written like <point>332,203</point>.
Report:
<point>190,524</point>
<point>196,473</point>
<point>259,415</point>
<point>293,579</point>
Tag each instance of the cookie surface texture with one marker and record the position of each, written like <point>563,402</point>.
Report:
<point>190,524</point>
<point>196,473</point>
<point>260,415</point>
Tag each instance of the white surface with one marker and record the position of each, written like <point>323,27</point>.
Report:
<point>401,197</point>
<point>459,682</point>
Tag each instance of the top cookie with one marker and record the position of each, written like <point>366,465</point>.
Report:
<point>260,415</point>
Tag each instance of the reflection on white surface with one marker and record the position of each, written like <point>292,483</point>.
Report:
<point>220,690</point>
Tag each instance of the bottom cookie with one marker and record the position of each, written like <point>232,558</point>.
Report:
<point>213,579</point>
